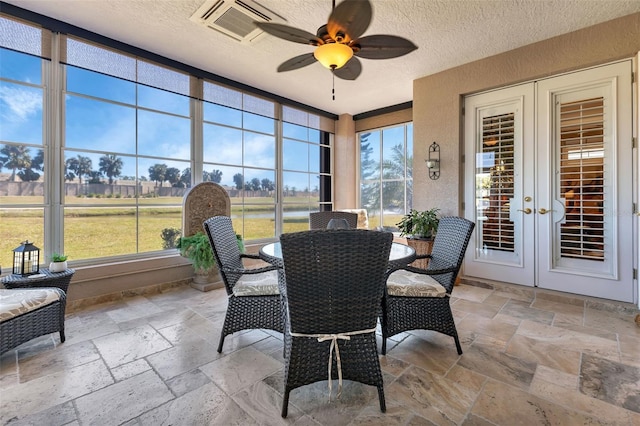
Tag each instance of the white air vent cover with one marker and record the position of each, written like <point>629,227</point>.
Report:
<point>235,18</point>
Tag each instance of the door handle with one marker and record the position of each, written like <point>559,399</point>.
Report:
<point>525,211</point>
<point>544,211</point>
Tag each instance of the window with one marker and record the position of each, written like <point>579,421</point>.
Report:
<point>306,180</point>
<point>386,181</point>
<point>119,140</point>
<point>240,154</point>
<point>22,152</point>
<point>126,147</point>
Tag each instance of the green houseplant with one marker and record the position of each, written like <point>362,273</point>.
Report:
<point>58,262</point>
<point>198,249</point>
<point>420,227</point>
<point>419,224</point>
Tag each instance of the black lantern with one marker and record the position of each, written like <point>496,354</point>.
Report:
<point>26,259</point>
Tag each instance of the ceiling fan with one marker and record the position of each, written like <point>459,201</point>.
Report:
<point>338,43</point>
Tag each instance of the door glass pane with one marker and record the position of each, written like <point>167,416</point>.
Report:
<point>494,182</point>
<point>582,155</point>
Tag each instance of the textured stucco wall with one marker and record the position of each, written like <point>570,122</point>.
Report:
<point>345,163</point>
<point>437,99</point>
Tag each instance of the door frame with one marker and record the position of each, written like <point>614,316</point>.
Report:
<point>468,170</point>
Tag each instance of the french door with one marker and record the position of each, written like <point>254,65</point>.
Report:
<point>549,183</point>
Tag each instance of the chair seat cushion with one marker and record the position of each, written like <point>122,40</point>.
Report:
<point>408,284</point>
<point>262,284</point>
<point>17,302</point>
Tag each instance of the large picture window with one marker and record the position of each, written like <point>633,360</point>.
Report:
<point>22,150</point>
<point>386,180</point>
<point>97,149</point>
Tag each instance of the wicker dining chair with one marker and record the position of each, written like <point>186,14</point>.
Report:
<point>419,298</point>
<point>253,296</point>
<point>320,220</point>
<point>333,287</point>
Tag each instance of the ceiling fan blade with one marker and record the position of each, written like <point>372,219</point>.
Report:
<point>350,71</point>
<point>382,47</point>
<point>297,62</point>
<point>351,18</point>
<point>288,33</point>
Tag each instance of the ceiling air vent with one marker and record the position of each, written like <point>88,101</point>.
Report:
<point>235,18</point>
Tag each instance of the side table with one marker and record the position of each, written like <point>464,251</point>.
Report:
<point>45,278</point>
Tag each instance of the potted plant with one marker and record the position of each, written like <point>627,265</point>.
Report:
<point>419,224</point>
<point>420,227</point>
<point>198,249</point>
<point>58,263</point>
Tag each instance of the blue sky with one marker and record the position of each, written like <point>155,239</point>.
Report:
<point>101,115</point>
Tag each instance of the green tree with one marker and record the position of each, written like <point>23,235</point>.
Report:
<point>15,157</point>
<point>79,166</point>
<point>95,176</point>
<point>238,180</point>
<point>255,184</point>
<point>111,166</point>
<point>157,173</point>
<point>369,174</point>
<point>267,184</point>
<point>185,177</point>
<point>69,165</point>
<point>38,161</point>
<point>215,176</point>
<point>29,174</point>
<point>393,173</point>
<point>173,176</point>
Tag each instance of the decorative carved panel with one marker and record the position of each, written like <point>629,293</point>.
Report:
<point>203,201</point>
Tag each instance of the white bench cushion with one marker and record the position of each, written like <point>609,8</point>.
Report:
<point>17,302</point>
<point>262,284</point>
<point>408,284</point>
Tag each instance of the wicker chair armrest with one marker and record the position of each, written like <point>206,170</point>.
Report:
<point>249,256</point>
<point>243,271</point>
<point>430,271</point>
<point>423,256</point>
<point>436,267</point>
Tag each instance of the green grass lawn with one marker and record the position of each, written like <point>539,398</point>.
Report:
<point>103,227</point>
<point>92,232</point>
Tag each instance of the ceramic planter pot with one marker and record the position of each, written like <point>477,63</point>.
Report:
<point>58,266</point>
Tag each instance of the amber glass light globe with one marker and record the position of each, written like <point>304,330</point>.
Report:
<point>333,55</point>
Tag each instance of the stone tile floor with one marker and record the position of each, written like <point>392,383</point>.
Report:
<point>529,359</point>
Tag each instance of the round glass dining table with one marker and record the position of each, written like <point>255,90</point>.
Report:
<point>400,254</point>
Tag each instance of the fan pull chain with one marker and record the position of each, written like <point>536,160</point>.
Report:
<point>333,84</point>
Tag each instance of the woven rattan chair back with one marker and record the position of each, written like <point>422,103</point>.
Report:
<point>225,248</point>
<point>334,284</point>
<point>403,313</point>
<point>320,220</point>
<point>243,312</point>
<point>337,276</point>
<point>449,247</point>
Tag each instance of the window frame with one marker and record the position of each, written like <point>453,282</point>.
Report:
<point>379,180</point>
<point>53,129</point>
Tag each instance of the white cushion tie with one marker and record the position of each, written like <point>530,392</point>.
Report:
<point>334,344</point>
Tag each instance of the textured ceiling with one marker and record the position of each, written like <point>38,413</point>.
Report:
<point>447,32</point>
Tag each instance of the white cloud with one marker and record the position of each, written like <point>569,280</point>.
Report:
<point>22,102</point>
